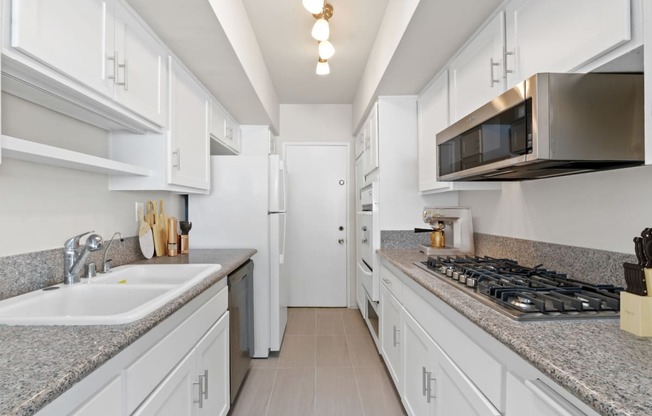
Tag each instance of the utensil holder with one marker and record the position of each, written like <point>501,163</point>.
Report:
<point>636,314</point>
<point>635,277</point>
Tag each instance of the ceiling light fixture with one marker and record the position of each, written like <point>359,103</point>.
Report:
<point>326,49</point>
<point>321,11</point>
<point>322,67</point>
<point>314,6</point>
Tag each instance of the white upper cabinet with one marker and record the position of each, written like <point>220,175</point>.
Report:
<point>432,107</point>
<point>138,65</point>
<point>98,44</point>
<point>433,117</point>
<point>561,35</point>
<point>476,73</point>
<point>74,38</point>
<point>188,131</point>
<point>371,142</point>
<point>224,131</point>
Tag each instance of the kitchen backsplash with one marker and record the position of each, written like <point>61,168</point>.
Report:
<point>24,273</point>
<point>596,266</point>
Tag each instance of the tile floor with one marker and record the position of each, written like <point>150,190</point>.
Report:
<point>328,365</point>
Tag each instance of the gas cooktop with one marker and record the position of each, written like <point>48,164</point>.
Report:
<point>525,293</point>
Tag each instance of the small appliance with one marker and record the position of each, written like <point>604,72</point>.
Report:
<point>451,231</point>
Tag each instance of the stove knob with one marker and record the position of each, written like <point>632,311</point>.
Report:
<point>455,275</point>
<point>471,282</point>
<point>449,272</point>
<point>443,269</point>
<point>462,278</point>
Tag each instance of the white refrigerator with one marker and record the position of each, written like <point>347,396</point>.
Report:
<point>246,209</point>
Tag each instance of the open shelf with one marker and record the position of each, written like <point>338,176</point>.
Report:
<point>13,148</point>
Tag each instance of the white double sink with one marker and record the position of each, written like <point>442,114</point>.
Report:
<point>124,295</point>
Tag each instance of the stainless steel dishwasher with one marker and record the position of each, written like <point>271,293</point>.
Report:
<point>241,323</point>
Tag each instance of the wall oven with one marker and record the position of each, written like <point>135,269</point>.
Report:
<point>368,263</point>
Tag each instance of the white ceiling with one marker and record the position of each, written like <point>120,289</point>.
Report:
<point>282,28</point>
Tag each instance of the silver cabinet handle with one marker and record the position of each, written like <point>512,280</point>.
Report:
<point>396,341</point>
<point>423,381</point>
<point>114,58</point>
<point>200,384</point>
<point>178,155</point>
<point>491,69</point>
<point>206,384</point>
<point>126,79</point>
<point>505,69</point>
<point>118,65</point>
<point>429,380</point>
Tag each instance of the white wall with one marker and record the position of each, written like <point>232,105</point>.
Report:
<point>602,210</point>
<point>42,206</point>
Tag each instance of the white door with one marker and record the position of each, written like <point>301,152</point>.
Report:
<point>316,245</point>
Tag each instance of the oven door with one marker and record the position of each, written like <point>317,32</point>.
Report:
<point>367,257</point>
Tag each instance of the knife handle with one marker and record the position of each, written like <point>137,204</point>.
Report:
<point>638,249</point>
<point>647,246</point>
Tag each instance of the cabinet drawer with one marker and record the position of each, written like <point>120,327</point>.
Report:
<point>105,402</point>
<point>145,373</point>
<point>480,367</point>
<point>392,283</point>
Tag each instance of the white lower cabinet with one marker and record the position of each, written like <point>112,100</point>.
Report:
<point>179,367</point>
<point>442,364</point>
<point>199,385</point>
<point>434,385</point>
<point>391,313</point>
<point>535,398</point>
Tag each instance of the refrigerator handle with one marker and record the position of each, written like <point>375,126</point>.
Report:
<point>282,230</point>
<point>284,181</point>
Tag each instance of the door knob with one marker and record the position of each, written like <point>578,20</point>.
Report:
<point>341,241</point>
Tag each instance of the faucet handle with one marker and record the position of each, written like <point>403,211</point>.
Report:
<point>73,242</point>
<point>106,267</point>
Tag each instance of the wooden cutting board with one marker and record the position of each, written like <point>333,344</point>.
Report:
<point>158,229</point>
<point>163,220</point>
<point>145,237</point>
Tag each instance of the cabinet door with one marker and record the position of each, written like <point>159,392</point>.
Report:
<point>188,163</point>
<point>73,37</point>
<point>476,73</point>
<point>213,364</point>
<point>433,117</point>
<point>107,401</point>
<point>418,364</point>
<point>534,398</point>
<point>177,393</point>
<point>562,35</point>
<point>359,143</point>
<point>371,147</point>
<point>140,65</point>
<point>390,335</point>
<point>454,393</point>
<point>235,135</point>
<point>218,123</point>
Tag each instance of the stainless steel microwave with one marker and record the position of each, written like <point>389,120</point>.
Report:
<point>548,125</point>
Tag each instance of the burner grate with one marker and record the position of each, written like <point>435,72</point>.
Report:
<point>525,292</point>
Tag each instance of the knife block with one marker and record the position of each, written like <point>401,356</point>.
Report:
<point>636,314</point>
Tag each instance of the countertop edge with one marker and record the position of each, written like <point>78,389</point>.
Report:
<point>541,360</point>
<point>82,367</point>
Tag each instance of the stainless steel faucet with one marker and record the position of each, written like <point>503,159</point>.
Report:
<point>106,264</point>
<point>74,255</point>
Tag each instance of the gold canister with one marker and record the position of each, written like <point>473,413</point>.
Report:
<point>173,237</point>
<point>438,239</point>
<point>184,244</point>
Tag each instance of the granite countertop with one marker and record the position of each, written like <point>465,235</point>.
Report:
<point>39,363</point>
<point>605,367</point>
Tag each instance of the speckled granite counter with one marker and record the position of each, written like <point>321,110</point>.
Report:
<point>609,369</point>
<point>39,363</point>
